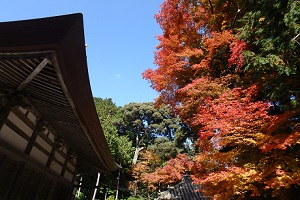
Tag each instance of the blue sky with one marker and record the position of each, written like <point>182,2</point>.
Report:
<point>120,37</point>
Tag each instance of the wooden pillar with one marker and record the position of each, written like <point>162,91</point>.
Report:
<point>39,128</point>
<point>9,100</point>
<point>4,112</point>
<point>4,108</point>
<point>70,156</point>
<point>57,144</point>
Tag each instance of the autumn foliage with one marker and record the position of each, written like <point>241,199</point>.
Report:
<point>171,173</point>
<point>230,69</point>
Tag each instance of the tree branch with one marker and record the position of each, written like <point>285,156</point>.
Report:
<point>211,7</point>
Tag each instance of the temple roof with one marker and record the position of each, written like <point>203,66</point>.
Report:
<point>44,60</point>
<point>185,190</point>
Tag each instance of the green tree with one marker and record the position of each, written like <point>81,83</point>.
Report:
<point>271,31</point>
<point>164,148</point>
<point>143,123</point>
<point>120,146</point>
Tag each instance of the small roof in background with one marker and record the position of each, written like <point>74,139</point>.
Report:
<point>185,190</point>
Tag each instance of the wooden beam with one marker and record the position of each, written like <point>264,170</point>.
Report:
<point>41,148</point>
<point>30,140</point>
<point>23,117</point>
<point>16,129</point>
<point>74,174</point>
<point>56,145</point>
<point>51,156</point>
<point>46,139</point>
<point>64,167</point>
<point>13,153</point>
<point>4,112</point>
<point>33,74</point>
<point>38,129</point>
<point>69,157</point>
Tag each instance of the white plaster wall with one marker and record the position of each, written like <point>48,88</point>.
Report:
<point>22,110</point>
<point>59,157</point>
<point>71,167</point>
<point>9,136</point>
<point>68,176</point>
<point>38,155</point>
<point>75,160</point>
<point>45,131</point>
<point>44,144</point>
<point>31,117</point>
<point>56,167</point>
<point>65,150</point>
<point>20,124</point>
<point>51,137</point>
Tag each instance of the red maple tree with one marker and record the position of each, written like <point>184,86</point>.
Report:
<point>217,72</point>
<point>171,173</point>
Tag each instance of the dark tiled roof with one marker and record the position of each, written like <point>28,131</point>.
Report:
<point>185,190</point>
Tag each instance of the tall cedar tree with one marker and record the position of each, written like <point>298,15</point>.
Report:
<point>230,70</point>
<point>143,124</point>
<point>109,115</point>
<point>120,147</point>
<point>156,136</point>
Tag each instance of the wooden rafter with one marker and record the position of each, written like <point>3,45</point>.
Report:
<point>33,74</point>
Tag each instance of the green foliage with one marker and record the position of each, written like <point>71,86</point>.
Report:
<point>155,129</point>
<point>271,29</point>
<point>120,146</point>
<point>111,197</point>
<point>143,123</point>
<point>164,148</point>
<point>135,198</point>
<point>138,124</point>
<point>80,196</point>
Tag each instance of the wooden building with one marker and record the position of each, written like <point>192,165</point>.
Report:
<point>185,190</point>
<point>49,128</point>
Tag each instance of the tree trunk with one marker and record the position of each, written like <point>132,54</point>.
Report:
<point>136,154</point>
<point>135,189</point>
<point>97,184</point>
<point>117,192</point>
<point>105,195</point>
<point>148,194</point>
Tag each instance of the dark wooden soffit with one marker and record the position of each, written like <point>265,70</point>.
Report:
<point>46,60</point>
